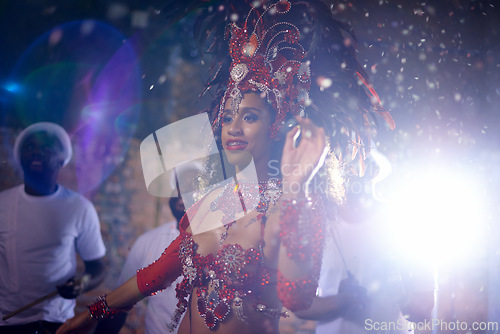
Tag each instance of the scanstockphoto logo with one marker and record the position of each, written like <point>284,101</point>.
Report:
<point>171,149</point>
<point>318,184</point>
<point>429,325</point>
<point>167,149</point>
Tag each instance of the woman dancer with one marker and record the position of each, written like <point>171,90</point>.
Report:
<point>251,247</point>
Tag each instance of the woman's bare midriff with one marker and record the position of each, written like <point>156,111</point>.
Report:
<point>256,322</point>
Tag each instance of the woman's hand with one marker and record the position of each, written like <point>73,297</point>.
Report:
<point>80,323</point>
<point>303,154</point>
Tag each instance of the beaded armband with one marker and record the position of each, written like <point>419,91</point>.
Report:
<point>99,309</point>
<point>301,228</point>
<point>301,234</point>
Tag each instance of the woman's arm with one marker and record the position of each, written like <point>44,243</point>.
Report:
<point>122,297</point>
<point>95,272</point>
<point>301,216</point>
<point>147,281</point>
<point>125,296</point>
<point>300,254</point>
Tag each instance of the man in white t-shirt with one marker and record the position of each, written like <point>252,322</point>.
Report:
<point>365,287</point>
<point>148,248</point>
<point>43,225</point>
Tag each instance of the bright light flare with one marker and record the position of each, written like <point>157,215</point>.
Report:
<point>12,87</point>
<point>437,215</point>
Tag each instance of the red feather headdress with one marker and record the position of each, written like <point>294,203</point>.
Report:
<point>270,61</point>
<point>301,58</point>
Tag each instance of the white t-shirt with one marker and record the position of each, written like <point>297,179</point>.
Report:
<point>39,239</point>
<point>148,248</point>
<point>369,257</point>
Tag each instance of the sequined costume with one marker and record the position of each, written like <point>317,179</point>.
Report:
<point>301,62</point>
<point>232,277</point>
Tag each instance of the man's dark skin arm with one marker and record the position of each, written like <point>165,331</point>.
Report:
<point>350,295</point>
<point>417,303</point>
<point>95,272</point>
<point>323,309</point>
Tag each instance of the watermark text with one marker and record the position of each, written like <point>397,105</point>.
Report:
<point>441,325</point>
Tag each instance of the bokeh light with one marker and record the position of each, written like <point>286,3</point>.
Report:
<point>82,75</point>
<point>437,214</point>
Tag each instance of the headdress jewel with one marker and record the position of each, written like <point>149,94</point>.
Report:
<point>269,60</point>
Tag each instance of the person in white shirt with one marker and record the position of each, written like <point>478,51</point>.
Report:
<point>146,249</point>
<point>365,286</point>
<point>43,225</point>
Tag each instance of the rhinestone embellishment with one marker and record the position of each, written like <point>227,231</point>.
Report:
<point>239,72</point>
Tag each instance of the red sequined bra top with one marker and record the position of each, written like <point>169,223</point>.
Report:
<point>224,279</point>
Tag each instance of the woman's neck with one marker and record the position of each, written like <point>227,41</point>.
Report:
<point>263,170</point>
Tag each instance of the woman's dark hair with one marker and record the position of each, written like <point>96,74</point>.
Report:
<point>342,99</point>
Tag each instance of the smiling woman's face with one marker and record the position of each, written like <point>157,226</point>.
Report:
<point>245,134</point>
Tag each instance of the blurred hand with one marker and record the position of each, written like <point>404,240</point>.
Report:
<point>80,323</point>
<point>73,287</point>
<point>354,300</point>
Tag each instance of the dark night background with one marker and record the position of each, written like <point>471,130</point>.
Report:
<point>435,65</point>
